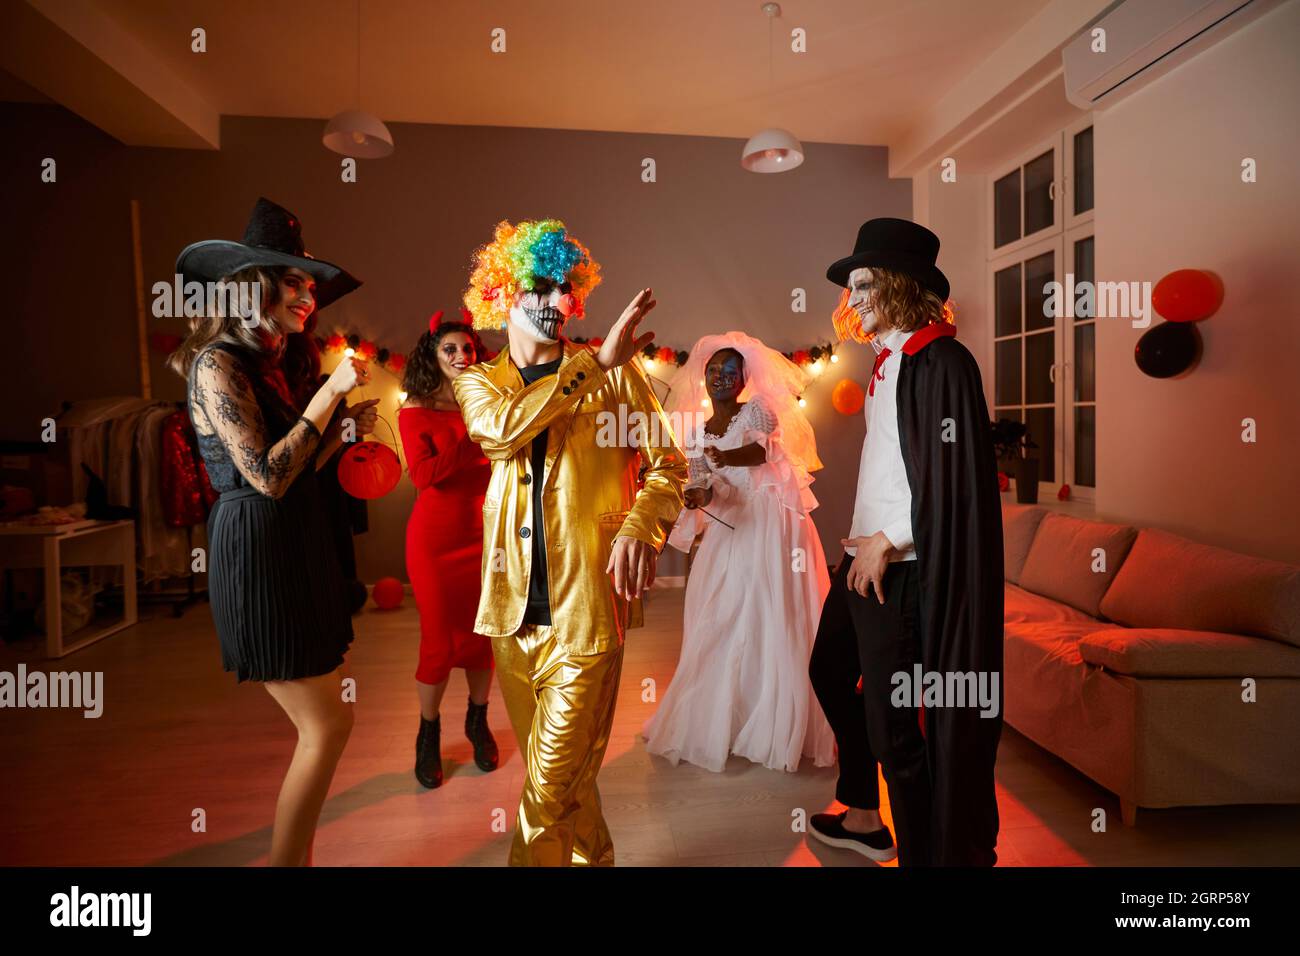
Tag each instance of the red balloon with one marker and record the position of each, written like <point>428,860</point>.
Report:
<point>1187,295</point>
<point>369,469</point>
<point>847,397</point>
<point>388,593</point>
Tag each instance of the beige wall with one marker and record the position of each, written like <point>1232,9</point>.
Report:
<point>955,212</point>
<point>1170,196</point>
<point>722,248</point>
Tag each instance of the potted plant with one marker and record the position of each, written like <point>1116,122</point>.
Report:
<point>1011,443</point>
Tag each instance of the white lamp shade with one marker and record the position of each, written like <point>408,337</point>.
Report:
<point>358,134</point>
<point>771,151</point>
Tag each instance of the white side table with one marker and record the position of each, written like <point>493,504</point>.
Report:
<point>79,544</point>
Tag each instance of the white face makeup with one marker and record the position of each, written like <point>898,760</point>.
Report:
<point>860,299</point>
<point>536,313</point>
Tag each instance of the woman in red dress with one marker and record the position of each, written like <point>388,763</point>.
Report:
<point>444,540</point>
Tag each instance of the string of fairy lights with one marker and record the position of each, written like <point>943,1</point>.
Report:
<point>814,360</point>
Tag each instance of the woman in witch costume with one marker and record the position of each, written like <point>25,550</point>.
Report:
<point>444,540</point>
<point>276,590</point>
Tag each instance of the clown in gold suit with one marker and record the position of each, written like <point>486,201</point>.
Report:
<point>575,516</point>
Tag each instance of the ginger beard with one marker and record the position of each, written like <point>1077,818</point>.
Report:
<point>862,301</point>
<point>540,312</point>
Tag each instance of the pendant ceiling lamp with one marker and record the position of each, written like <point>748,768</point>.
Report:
<point>355,132</point>
<point>772,150</point>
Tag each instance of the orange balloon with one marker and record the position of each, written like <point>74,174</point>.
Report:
<point>388,593</point>
<point>1187,295</point>
<point>847,397</point>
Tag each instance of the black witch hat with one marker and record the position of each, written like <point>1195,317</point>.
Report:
<point>896,244</point>
<point>273,238</point>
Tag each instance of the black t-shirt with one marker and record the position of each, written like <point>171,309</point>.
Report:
<point>539,599</point>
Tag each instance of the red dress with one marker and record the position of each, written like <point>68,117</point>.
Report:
<point>444,539</point>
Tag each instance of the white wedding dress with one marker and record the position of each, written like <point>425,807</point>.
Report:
<point>752,604</point>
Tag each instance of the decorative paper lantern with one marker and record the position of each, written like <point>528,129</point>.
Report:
<point>847,397</point>
<point>1168,349</point>
<point>369,469</point>
<point>1187,295</point>
<point>1063,494</point>
<point>388,593</point>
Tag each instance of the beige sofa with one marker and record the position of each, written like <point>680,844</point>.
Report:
<point>1166,670</point>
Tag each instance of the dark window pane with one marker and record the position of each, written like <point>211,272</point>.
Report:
<point>1042,432</point>
<point>1085,363</point>
<point>1039,271</point>
<point>1007,373</point>
<point>1085,270</point>
<point>1085,446</point>
<point>1006,301</point>
<point>1040,353</point>
<point>1015,414</point>
<point>1006,209</point>
<point>1038,195</point>
<point>1083,171</point>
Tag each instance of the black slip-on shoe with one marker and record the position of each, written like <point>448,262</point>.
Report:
<point>877,845</point>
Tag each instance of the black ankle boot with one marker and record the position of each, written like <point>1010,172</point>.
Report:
<point>476,729</point>
<point>428,753</point>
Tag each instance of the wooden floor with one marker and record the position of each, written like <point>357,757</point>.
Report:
<point>178,734</point>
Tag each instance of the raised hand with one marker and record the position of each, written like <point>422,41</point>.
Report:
<point>622,342</point>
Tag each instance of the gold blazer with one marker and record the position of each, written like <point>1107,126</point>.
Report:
<point>590,494</point>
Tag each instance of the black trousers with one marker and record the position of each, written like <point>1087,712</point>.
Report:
<point>858,636</point>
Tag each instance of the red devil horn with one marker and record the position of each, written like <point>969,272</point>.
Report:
<point>435,320</point>
<point>467,314</point>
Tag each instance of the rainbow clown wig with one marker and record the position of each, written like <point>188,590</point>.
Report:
<point>515,255</point>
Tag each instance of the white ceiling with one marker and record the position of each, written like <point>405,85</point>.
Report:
<point>696,67</point>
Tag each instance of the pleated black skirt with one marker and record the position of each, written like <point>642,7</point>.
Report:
<point>274,582</point>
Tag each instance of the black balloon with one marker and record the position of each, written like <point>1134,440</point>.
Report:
<point>1168,349</point>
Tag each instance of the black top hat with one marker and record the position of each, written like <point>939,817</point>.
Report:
<point>896,244</point>
<point>273,238</point>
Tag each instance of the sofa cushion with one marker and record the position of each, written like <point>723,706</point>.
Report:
<point>1170,652</point>
<point>1168,581</point>
<point>1061,561</point>
<point>1019,523</point>
<point>1026,607</point>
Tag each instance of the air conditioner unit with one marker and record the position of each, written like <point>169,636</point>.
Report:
<point>1143,39</point>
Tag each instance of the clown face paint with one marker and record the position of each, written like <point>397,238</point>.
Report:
<point>861,300</point>
<point>724,375</point>
<point>537,312</point>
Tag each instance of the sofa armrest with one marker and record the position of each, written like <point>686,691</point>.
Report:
<point>1172,652</point>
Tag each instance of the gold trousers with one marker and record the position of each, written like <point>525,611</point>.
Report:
<point>562,707</point>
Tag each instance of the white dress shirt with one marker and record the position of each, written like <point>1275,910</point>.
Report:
<point>884,501</point>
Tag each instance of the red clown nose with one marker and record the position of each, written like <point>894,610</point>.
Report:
<point>568,305</point>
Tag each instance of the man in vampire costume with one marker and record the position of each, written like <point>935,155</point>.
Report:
<point>920,588</point>
<point>571,533</point>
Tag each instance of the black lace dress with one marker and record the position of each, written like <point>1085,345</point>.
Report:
<point>277,593</point>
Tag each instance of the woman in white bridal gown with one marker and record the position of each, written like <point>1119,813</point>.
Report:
<point>758,581</point>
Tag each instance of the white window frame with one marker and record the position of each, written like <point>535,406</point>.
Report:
<point>1054,245</point>
<point>1070,220</point>
<point>1059,238</point>
<point>1067,359</point>
<point>1054,145</point>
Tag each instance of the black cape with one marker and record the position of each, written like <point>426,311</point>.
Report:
<point>943,427</point>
